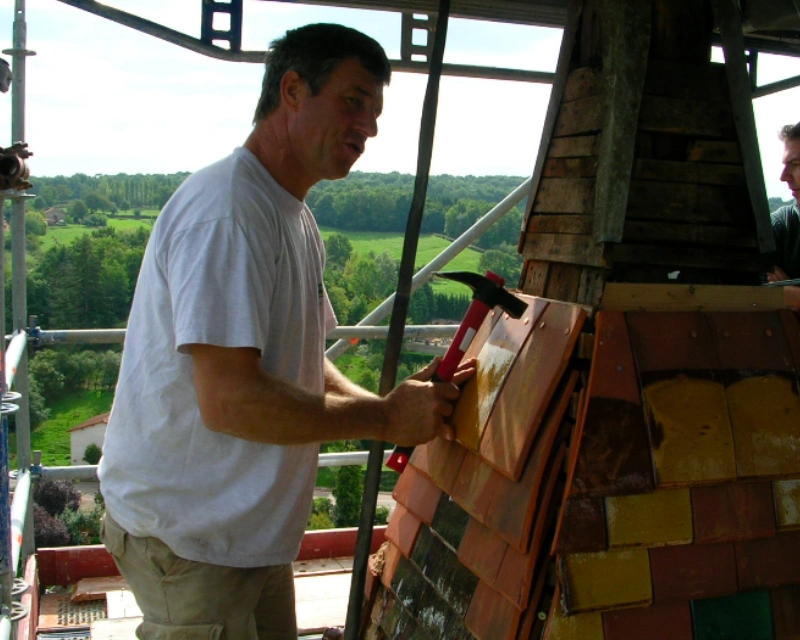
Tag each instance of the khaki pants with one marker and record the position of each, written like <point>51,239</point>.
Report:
<point>185,600</point>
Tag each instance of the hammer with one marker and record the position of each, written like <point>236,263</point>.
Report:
<point>487,292</point>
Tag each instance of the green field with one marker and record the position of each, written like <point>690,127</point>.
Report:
<point>428,248</point>
<point>66,235</point>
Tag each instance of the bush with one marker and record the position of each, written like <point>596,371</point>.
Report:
<point>48,531</point>
<point>55,496</point>
<point>381,514</point>
<point>83,527</point>
<point>319,521</point>
<point>92,453</point>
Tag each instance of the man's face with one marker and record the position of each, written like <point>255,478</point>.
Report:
<point>791,166</point>
<point>330,130</point>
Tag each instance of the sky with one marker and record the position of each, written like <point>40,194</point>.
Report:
<point>104,99</point>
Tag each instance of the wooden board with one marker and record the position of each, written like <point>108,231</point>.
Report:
<point>574,224</point>
<point>570,167</point>
<point>678,297</point>
<point>637,231</point>
<point>650,199</point>
<point>580,116</point>
<point>122,604</point>
<point>574,147</point>
<point>122,629</point>
<point>96,588</point>
<point>693,172</point>
<point>561,247</point>
<point>686,81</point>
<point>565,196</point>
<point>583,83</point>
<point>718,258</point>
<point>715,151</point>
<point>686,117</point>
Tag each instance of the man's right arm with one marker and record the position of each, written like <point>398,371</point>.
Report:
<point>237,397</point>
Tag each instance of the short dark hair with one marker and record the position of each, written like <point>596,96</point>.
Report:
<point>314,51</point>
<point>790,132</point>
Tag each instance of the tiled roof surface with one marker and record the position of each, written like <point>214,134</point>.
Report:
<point>670,510</point>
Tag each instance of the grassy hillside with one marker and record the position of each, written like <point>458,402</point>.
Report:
<point>66,235</point>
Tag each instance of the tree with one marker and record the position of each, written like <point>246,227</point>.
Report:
<point>78,210</point>
<point>35,224</point>
<point>347,492</point>
<point>338,249</point>
<point>98,202</point>
<point>503,264</point>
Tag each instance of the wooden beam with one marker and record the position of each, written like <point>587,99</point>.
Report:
<point>719,258</point>
<point>574,11</point>
<point>626,28</point>
<point>637,231</point>
<point>690,297</point>
<point>726,13</point>
<point>654,200</point>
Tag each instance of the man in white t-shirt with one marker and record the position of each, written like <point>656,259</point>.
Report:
<point>224,391</point>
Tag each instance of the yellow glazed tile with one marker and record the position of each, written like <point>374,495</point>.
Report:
<point>606,580</point>
<point>690,431</point>
<point>650,520</point>
<point>787,503</point>
<point>765,416</point>
<point>583,626</point>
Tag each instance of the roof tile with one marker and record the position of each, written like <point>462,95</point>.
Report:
<point>786,612</point>
<point>581,526</point>
<point>583,626</point>
<point>417,493</point>
<point>491,616</point>
<point>752,341</point>
<point>519,411</point>
<point>736,511</point>
<point>482,551</point>
<point>746,616</point>
<point>475,483</point>
<point>769,562</point>
<point>787,503</point>
<point>650,519</point>
<point>403,529</point>
<point>690,572</point>
<point>666,621</point>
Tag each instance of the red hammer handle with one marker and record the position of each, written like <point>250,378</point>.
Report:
<point>472,321</point>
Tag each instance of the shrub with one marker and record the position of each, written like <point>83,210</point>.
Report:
<point>319,521</point>
<point>48,531</point>
<point>57,495</point>
<point>323,506</point>
<point>381,514</point>
<point>92,453</point>
<point>83,527</point>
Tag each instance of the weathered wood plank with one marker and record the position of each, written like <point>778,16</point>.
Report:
<point>650,199</point>
<point>562,247</point>
<point>580,117</point>
<point>574,147</point>
<point>573,224</point>
<point>590,290</point>
<point>534,278</point>
<point>571,167</point>
<point>730,26</point>
<point>565,196</point>
<point>705,82</point>
<point>574,10</point>
<point>692,172</point>
<point>681,31</point>
<point>626,28</point>
<point>715,151</point>
<point>722,259</point>
<point>583,83</point>
<point>637,231</point>
<point>564,282</point>
<point>696,297</point>
<point>686,117</point>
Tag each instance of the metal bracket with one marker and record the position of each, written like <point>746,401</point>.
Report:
<point>417,24</point>
<point>233,35</point>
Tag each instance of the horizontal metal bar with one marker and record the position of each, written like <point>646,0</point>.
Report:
<point>775,87</point>
<point>88,472</point>
<point>13,355</point>
<point>117,336</point>
<point>19,507</point>
<point>5,628</point>
<point>472,71</point>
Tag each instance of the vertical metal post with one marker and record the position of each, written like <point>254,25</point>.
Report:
<point>19,292</point>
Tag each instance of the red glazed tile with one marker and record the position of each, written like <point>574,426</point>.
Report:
<point>474,486</point>
<point>495,359</point>
<point>670,341</point>
<point>391,557</point>
<point>417,493</point>
<point>581,526</point>
<point>513,504</point>
<point>419,460</point>
<point>769,562</point>
<point>749,341</point>
<point>491,616</point>
<point>613,450</point>
<point>613,372</point>
<point>693,572</point>
<point>786,612</point>
<point>667,621</point>
<point>482,551</point>
<point>520,409</point>
<point>403,529</point>
<point>444,460</point>
<point>735,511</point>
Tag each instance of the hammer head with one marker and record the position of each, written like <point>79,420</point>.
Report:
<point>488,289</point>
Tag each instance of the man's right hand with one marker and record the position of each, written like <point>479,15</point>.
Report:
<point>417,410</point>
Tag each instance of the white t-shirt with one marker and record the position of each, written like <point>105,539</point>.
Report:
<point>234,260</point>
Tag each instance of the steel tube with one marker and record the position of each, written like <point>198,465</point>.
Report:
<point>14,353</point>
<point>426,273</point>
<point>19,508</point>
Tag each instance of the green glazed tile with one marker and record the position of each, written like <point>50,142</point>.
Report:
<point>746,616</point>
